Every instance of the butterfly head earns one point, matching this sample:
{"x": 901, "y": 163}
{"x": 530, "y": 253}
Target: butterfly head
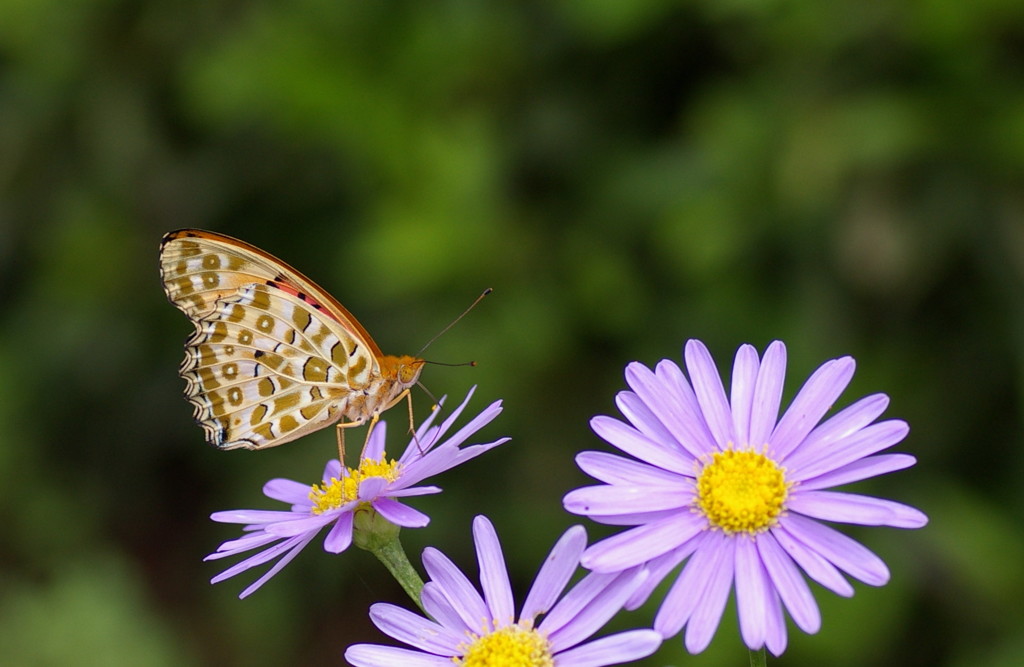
{"x": 405, "y": 369}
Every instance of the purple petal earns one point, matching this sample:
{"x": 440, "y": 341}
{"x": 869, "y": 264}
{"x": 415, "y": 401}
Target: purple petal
{"x": 287, "y": 491}
{"x": 694, "y": 433}
{"x": 255, "y": 516}
{"x": 372, "y": 655}
{"x": 418, "y": 447}
{"x": 741, "y": 396}
{"x": 707, "y": 385}
{"x": 844, "y": 423}
{"x": 579, "y": 598}
{"x": 415, "y": 491}
{"x": 855, "y": 508}
{"x": 618, "y": 649}
{"x": 685, "y": 593}
{"x": 457, "y": 588}
{"x": 813, "y": 400}
{"x": 440, "y": 609}
{"x": 298, "y": 545}
{"x": 767, "y": 395}
{"x": 310, "y": 524}
{"x": 376, "y": 441}
{"x": 704, "y": 621}
{"x": 635, "y": 443}
{"x": 449, "y": 419}
{"x": 812, "y": 563}
{"x": 848, "y": 555}
{"x": 588, "y": 607}
{"x": 639, "y": 415}
{"x": 610, "y": 500}
{"x": 632, "y": 518}
{"x": 414, "y": 630}
{"x": 464, "y": 454}
{"x": 427, "y": 438}
{"x": 242, "y": 544}
{"x": 332, "y": 470}
{"x": 493, "y": 574}
{"x": 442, "y": 458}
{"x": 790, "y": 585}
{"x": 655, "y": 410}
{"x": 775, "y": 635}
{"x": 555, "y": 572}
{"x": 811, "y": 462}
{"x": 752, "y": 592}
{"x": 475, "y": 424}
{"x": 371, "y": 488}
{"x": 865, "y": 468}
{"x": 646, "y": 407}
{"x": 339, "y": 537}
{"x": 640, "y": 544}
{"x": 614, "y": 469}
{"x": 427, "y": 426}
{"x": 399, "y": 514}
{"x": 259, "y": 559}
{"x": 433, "y": 462}
{"x": 658, "y": 568}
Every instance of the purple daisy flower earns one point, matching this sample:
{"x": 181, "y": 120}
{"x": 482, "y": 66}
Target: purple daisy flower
{"x": 375, "y": 485}
{"x": 740, "y": 493}
{"x": 473, "y": 629}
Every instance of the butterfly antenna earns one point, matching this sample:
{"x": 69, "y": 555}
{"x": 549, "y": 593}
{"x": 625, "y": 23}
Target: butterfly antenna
{"x": 450, "y": 325}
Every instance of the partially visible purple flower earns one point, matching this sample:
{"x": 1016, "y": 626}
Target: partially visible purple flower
{"x": 470, "y": 629}
{"x": 738, "y": 493}
{"x": 375, "y": 485}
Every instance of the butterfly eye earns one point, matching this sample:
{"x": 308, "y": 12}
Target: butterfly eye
{"x": 410, "y": 370}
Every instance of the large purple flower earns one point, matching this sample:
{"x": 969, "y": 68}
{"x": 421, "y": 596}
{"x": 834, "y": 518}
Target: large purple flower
{"x": 470, "y": 629}
{"x": 375, "y": 485}
{"x": 738, "y": 493}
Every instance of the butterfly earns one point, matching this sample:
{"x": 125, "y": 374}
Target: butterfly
{"x": 274, "y": 356}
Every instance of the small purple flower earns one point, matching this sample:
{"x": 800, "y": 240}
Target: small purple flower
{"x": 375, "y": 485}
{"x": 739, "y": 493}
{"x": 473, "y": 630}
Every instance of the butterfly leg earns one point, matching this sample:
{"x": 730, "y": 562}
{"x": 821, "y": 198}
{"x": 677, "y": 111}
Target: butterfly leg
{"x": 369, "y": 430}
{"x": 407, "y": 395}
{"x": 340, "y": 432}
{"x": 412, "y": 425}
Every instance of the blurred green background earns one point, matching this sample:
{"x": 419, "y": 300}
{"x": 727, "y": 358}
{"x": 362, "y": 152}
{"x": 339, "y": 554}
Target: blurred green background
{"x": 845, "y": 176}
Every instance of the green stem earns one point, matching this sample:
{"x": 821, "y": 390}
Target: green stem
{"x": 379, "y": 536}
{"x": 393, "y": 556}
{"x": 758, "y": 658}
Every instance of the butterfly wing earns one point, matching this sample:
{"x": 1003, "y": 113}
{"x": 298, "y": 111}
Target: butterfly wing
{"x": 198, "y": 267}
{"x": 273, "y": 356}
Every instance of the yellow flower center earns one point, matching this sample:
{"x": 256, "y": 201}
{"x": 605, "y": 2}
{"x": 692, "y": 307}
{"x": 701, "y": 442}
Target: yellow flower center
{"x": 337, "y": 492}
{"x": 741, "y": 491}
{"x": 511, "y": 646}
